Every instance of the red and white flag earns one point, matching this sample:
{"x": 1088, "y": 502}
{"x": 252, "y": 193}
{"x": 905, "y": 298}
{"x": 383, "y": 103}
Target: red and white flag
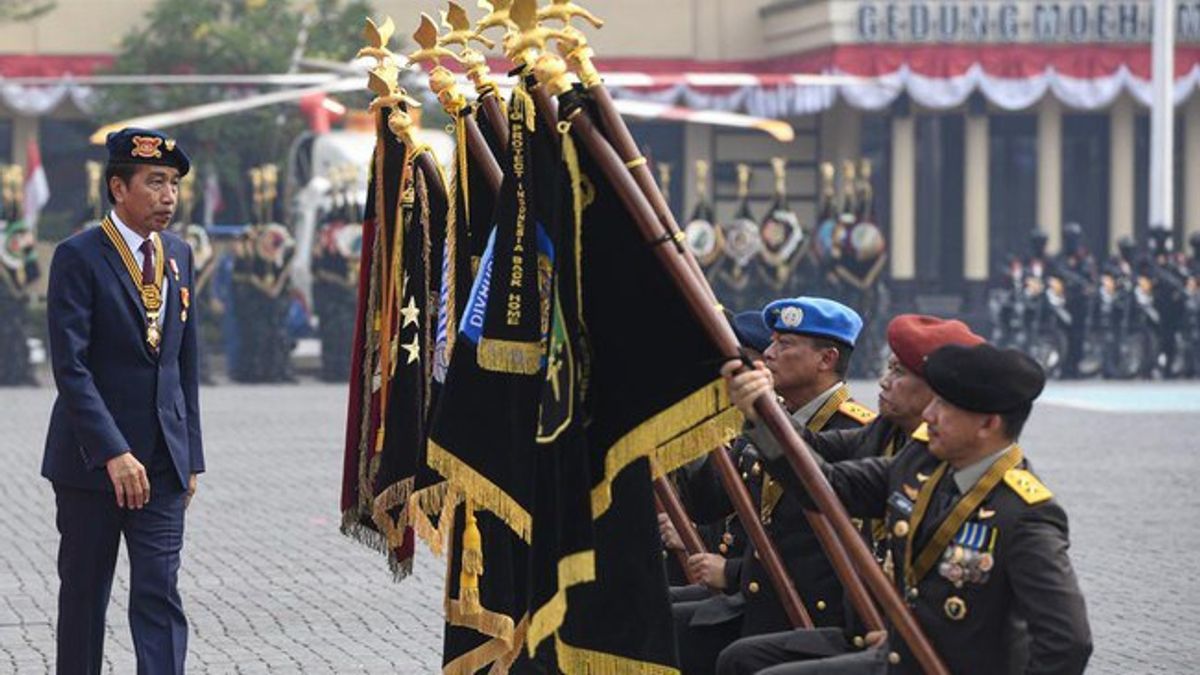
{"x": 37, "y": 189}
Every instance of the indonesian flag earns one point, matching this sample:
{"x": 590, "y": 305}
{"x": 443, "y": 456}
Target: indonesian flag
{"x": 37, "y": 189}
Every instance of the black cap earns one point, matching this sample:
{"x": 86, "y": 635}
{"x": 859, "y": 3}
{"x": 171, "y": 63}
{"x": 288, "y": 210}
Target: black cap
{"x": 984, "y": 379}
{"x": 146, "y": 146}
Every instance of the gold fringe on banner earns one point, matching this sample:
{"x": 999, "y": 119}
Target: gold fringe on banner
{"x": 690, "y": 428}
{"x": 577, "y": 568}
{"x": 431, "y": 512}
{"x": 498, "y": 652}
{"x": 391, "y": 497}
{"x": 575, "y": 660}
{"x": 491, "y": 624}
{"x": 511, "y": 356}
{"x": 483, "y": 491}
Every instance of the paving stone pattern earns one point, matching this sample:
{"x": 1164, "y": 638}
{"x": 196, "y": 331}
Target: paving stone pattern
{"x": 270, "y": 586}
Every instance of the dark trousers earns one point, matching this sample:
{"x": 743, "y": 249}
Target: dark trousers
{"x": 752, "y": 654}
{"x": 868, "y": 662}
{"x": 699, "y": 645}
{"x": 91, "y": 525}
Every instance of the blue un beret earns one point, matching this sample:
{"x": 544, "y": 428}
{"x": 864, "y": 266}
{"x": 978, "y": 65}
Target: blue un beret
{"x": 751, "y": 330}
{"x": 816, "y": 317}
{"x": 146, "y": 146}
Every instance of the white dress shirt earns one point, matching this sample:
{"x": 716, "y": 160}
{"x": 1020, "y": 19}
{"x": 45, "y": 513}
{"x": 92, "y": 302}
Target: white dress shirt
{"x": 134, "y": 241}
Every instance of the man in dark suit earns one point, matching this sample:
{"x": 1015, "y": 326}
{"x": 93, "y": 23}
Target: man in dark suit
{"x": 124, "y": 448}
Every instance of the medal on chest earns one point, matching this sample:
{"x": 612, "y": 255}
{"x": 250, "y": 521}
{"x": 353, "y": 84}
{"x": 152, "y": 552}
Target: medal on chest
{"x": 150, "y": 293}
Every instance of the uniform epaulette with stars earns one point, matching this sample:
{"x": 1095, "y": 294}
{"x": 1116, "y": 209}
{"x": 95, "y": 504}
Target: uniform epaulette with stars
{"x": 1027, "y": 486}
{"x": 857, "y": 412}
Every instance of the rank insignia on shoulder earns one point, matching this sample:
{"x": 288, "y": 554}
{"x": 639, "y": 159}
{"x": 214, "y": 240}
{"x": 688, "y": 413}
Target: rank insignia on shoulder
{"x": 922, "y": 433}
{"x": 1027, "y": 486}
{"x": 857, "y": 412}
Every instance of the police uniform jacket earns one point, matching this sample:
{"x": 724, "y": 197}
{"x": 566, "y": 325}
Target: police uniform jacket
{"x": 1024, "y": 613}
{"x": 782, "y": 516}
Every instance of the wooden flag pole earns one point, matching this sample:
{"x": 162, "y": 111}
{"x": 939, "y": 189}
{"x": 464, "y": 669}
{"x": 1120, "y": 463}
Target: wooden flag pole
{"x": 698, "y": 297}
{"x": 578, "y": 54}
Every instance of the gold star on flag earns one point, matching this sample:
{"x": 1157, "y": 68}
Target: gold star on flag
{"x": 414, "y": 351}
{"x": 410, "y": 312}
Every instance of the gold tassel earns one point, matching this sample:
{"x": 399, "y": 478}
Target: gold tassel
{"x": 472, "y": 563}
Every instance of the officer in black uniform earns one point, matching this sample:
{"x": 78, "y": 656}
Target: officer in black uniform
{"x": 701, "y": 491}
{"x": 980, "y": 552}
{"x": 1076, "y": 267}
{"x": 809, "y": 353}
{"x": 903, "y": 397}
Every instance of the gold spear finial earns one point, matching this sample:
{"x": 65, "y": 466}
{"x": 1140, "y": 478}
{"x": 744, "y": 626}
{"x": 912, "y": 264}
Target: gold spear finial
{"x": 441, "y": 81}
{"x": 565, "y": 11}
{"x": 497, "y": 15}
{"x": 528, "y": 37}
{"x": 377, "y": 37}
{"x": 461, "y": 33}
{"x": 427, "y": 37}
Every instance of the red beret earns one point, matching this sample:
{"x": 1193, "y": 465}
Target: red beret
{"x": 913, "y": 337}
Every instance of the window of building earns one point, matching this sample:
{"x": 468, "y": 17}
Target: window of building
{"x": 1085, "y": 167}
{"x": 6, "y": 138}
{"x": 1012, "y": 186}
{"x": 939, "y": 203}
{"x": 65, "y": 147}
{"x": 877, "y": 147}
{"x": 1141, "y": 177}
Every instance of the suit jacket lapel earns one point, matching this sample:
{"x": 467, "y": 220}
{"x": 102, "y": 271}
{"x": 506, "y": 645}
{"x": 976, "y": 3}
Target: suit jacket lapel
{"x": 113, "y": 258}
{"x": 118, "y": 268}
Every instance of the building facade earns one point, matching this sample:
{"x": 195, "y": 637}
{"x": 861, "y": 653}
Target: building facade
{"x": 983, "y": 118}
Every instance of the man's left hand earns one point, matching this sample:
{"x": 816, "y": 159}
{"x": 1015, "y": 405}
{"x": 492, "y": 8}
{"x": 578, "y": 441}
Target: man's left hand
{"x": 191, "y": 491}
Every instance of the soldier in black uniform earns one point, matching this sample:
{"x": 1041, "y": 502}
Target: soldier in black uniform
{"x": 980, "y": 545}
{"x": 1169, "y": 275}
{"x": 903, "y": 397}
{"x": 704, "y": 498}
{"x": 810, "y": 351}
{"x": 1076, "y": 267}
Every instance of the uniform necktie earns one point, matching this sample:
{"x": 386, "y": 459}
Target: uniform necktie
{"x": 940, "y": 504}
{"x": 147, "y": 250}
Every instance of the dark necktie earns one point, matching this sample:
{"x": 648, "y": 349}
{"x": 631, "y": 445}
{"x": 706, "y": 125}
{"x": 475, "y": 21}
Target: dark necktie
{"x": 147, "y": 250}
{"x": 940, "y": 505}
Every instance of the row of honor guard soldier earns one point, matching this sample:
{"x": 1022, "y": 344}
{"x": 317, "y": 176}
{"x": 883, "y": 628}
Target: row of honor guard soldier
{"x": 262, "y": 289}
{"x": 335, "y": 265}
{"x": 18, "y": 270}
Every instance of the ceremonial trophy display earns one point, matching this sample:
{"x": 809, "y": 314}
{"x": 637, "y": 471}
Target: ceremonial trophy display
{"x": 703, "y": 238}
{"x": 783, "y": 237}
{"x": 742, "y": 245}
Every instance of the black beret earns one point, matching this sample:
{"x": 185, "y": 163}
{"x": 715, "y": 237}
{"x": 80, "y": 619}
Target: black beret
{"x": 984, "y": 379}
{"x": 146, "y": 146}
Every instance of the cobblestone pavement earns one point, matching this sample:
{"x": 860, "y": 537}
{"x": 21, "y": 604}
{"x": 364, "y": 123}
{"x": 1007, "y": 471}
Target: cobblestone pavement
{"x": 271, "y": 586}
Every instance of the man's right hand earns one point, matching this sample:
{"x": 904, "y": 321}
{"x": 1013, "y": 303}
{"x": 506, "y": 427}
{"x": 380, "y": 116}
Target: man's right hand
{"x": 666, "y": 530}
{"x": 747, "y": 386}
{"x": 708, "y": 569}
{"x": 129, "y": 480}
